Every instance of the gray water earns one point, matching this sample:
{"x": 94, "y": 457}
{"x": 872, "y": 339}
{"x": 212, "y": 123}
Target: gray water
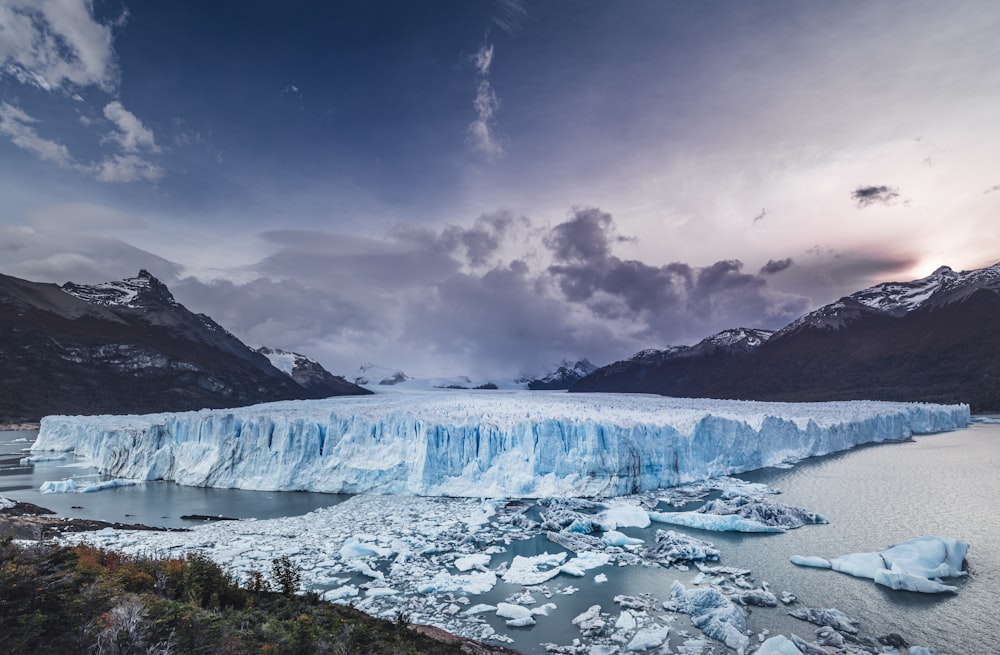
{"x": 946, "y": 484}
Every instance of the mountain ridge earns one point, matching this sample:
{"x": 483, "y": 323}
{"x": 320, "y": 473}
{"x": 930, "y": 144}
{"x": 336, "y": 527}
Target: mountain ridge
{"x": 122, "y": 347}
{"x": 931, "y": 339}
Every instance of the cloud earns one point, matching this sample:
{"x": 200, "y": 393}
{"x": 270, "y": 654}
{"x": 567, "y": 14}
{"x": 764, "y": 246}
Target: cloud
{"x": 476, "y": 245}
{"x": 775, "y": 266}
{"x": 132, "y": 135}
{"x": 125, "y": 168}
{"x": 669, "y": 302}
{"x": 483, "y": 58}
{"x": 56, "y": 45}
{"x": 18, "y": 126}
{"x": 480, "y": 134}
{"x": 995, "y": 187}
{"x": 509, "y": 15}
{"x": 869, "y": 195}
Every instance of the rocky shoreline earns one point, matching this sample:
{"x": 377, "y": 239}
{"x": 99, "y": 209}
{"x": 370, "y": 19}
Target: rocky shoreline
{"x": 31, "y": 522}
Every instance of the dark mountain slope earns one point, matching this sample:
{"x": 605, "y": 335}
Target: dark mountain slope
{"x": 935, "y": 339}
{"x": 121, "y": 347}
{"x": 310, "y": 374}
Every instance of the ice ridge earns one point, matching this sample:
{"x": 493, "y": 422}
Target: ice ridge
{"x": 480, "y": 444}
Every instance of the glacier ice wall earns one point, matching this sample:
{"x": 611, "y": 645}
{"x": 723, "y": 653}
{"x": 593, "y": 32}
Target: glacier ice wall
{"x": 494, "y": 444}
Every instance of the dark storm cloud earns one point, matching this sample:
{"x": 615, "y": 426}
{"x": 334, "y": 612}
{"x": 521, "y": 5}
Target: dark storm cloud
{"x": 865, "y": 196}
{"x": 587, "y": 237}
{"x": 508, "y": 317}
{"x": 476, "y": 244}
{"x": 672, "y": 301}
{"x": 775, "y": 266}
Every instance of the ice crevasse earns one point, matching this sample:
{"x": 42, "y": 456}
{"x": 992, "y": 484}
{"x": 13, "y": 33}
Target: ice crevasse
{"x": 498, "y": 444}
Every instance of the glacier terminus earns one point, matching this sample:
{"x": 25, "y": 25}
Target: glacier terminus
{"x": 501, "y": 444}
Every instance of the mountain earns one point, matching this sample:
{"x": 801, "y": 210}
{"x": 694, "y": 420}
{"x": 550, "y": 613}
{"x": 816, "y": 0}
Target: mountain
{"x": 308, "y": 373}
{"x": 563, "y": 377}
{"x": 934, "y": 339}
{"x": 121, "y": 347}
{"x": 675, "y": 370}
{"x": 371, "y": 374}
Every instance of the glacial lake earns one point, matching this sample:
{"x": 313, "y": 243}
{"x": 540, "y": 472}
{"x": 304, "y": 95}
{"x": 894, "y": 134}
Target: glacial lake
{"x": 945, "y": 484}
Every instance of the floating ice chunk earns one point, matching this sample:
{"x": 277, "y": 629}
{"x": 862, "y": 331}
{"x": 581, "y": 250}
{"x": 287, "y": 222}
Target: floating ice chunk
{"x": 814, "y": 562}
{"x": 672, "y": 547}
{"x": 534, "y": 570}
{"x": 478, "y": 582}
{"x": 714, "y": 522}
{"x": 830, "y": 617}
{"x": 477, "y": 561}
{"x": 615, "y": 538}
{"x": 381, "y": 591}
{"x": 58, "y": 487}
{"x": 339, "y": 593}
{"x": 583, "y": 562}
{"x": 626, "y": 621}
{"x": 520, "y": 616}
{"x": 712, "y": 613}
{"x": 620, "y": 514}
{"x": 36, "y": 459}
{"x": 762, "y": 511}
{"x": 590, "y": 622}
{"x": 354, "y": 547}
{"x": 481, "y": 608}
{"x": 647, "y": 638}
{"x": 107, "y": 484}
{"x": 600, "y": 578}
{"x": 914, "y": 565}
{"x": 778, "y": 645}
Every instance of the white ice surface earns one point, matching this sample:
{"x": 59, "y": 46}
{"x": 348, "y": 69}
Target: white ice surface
{"x": 914, "y": 565}
{"x": 480, "y": 443}
{"x": 714, "y": 522}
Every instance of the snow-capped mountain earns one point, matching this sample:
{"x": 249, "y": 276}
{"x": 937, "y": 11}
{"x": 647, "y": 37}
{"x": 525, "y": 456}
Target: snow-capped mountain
{"x": 308, "y": 373}
{"x": 372, "y": 374}
{"x": 563, "y": 377}
{"x": 123, "y": 347}
{"x": 675, "y": 363}
{"x": 896, "y": 299}
{"x": 933, "y": 339}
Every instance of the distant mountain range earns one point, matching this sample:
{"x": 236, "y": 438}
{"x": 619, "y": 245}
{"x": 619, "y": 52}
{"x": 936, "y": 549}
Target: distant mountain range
{"x": 935, "y": 339}
{"x": 562, "y": 377}
{"x": 127, "y": 347}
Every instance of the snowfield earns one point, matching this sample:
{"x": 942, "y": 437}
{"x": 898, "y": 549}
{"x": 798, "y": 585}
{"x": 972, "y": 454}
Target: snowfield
{"x": 499, "y": 444}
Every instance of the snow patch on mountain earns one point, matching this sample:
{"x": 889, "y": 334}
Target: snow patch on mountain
{"x": 119, "y": 293}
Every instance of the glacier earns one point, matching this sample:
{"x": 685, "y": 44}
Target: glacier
{"x": 500, "y": 444}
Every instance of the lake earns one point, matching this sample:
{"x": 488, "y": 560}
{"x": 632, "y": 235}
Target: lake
{"x": 945, "y": 484}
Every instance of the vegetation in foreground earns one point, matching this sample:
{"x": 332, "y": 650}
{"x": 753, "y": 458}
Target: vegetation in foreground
{"x": 85, "y": 600}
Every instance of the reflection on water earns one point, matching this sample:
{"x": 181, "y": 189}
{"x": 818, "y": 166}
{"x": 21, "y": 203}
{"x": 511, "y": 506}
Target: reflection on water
{"x": 874, "y": 496}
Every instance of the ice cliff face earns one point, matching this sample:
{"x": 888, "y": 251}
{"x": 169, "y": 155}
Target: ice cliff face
{"x": 495, "y": 444}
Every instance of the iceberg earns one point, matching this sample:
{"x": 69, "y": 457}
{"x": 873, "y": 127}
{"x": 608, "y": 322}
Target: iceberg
{"x": 498, "y": 444}
{"x": 712, "y": 613}
{"x": 914, "y": 565}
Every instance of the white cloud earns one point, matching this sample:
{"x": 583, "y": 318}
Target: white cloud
{"x": 17, "y": 125}
{"x": 126, "y": 168}
{"x": 56, "y": 45}
{"x": 480, "y": 133}
{"x": 132, "y": 134}
{"x": 483, "y": 58}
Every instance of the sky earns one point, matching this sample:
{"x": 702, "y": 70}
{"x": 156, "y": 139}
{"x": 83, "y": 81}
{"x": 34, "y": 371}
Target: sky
{"x": 490, "y": 187}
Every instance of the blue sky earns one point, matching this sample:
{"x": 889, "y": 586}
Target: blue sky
{"x": 460, "y": 187}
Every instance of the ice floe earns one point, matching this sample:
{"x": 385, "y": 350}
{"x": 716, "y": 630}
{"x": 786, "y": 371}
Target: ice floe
{"x": 915, "y": 565}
